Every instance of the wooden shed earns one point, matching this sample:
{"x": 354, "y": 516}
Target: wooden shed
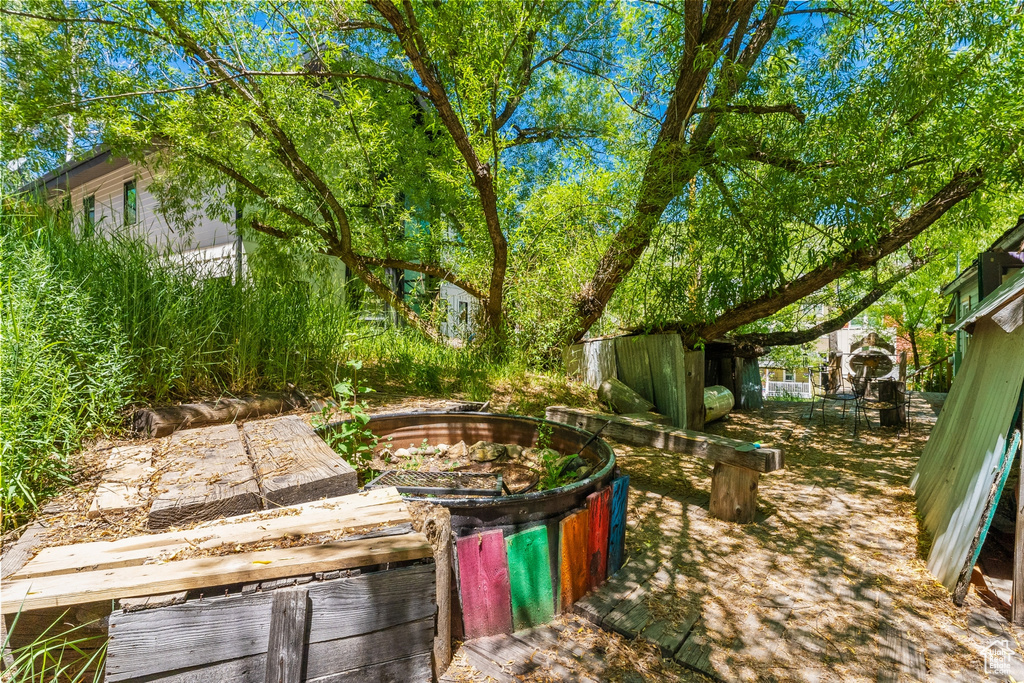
{"x": 969, "y": 455}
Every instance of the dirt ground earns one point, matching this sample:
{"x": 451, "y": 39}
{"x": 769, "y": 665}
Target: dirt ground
{"x": 825, "y": 584}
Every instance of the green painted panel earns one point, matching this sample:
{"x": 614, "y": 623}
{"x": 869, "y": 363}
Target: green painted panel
{"x": 529, "y": 568}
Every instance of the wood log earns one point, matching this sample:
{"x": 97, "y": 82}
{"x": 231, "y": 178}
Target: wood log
{"x": 289, "y": 626}
{"x": 164, "y": 420}
{"x": 621, "y": 398}
{"x": 698, "y": 444}
{"x": 733, "y": 493}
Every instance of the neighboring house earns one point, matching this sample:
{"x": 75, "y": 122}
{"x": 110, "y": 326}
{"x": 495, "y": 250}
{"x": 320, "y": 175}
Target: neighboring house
{"x": 990, "y": 269}
{"x": 109, "y": 194}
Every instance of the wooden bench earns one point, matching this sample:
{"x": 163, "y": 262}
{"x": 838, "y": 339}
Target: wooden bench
{"x": 737, "y": 464}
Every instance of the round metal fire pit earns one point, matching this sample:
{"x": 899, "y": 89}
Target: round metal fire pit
{"x": 508, "y": 512}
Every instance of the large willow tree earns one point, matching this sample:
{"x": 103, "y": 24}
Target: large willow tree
{"x": 696, "y": 165}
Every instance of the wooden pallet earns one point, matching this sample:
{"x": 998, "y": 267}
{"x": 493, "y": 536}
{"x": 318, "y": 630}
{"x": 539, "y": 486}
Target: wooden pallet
{"x": 109, "y": 570}
{"x": 622, "y": 606}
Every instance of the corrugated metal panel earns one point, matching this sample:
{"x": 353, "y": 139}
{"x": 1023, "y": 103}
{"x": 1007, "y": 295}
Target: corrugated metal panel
{"x": 963, "y": 455}
{"x": 668, "y": 375}
{"x": 592, "y": 361}
{"x": 634, "y": 365}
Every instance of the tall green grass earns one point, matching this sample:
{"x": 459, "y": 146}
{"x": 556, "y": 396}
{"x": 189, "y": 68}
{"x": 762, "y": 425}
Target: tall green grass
{"x": 89, "y": 325}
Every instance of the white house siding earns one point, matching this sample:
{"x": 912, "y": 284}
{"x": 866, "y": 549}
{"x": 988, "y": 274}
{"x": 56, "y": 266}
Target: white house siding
{"x": 463, "y": 309}
{"x": 109, "y": 192}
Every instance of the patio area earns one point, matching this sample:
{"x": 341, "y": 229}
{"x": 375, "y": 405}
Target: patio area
{"x": 829, "y": 584}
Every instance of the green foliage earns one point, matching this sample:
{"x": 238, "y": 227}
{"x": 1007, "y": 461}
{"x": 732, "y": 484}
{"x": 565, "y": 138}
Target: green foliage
{"x": 351, "y": 438}
{"x": 56, "y": 654}
{"x": 552, "y": 469}
{"x": 65, "y": 367}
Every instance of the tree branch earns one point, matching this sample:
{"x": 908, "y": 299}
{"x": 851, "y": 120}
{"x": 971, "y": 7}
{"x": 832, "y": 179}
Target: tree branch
{"x": 960, "y": 186}
{"x": 790, "y": 109}
{"x": 427, "y": 269}
{"x": 796, "y": 337}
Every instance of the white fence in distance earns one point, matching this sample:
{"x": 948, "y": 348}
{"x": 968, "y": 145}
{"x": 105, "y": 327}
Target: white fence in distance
{"x": 786, "y": 389}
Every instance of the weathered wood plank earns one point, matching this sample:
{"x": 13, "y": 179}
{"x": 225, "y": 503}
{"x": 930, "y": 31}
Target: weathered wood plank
{"x": 414, "y": 668}
{"x": 110, "y": 584}
{"x": 595, "y": 606}
{"x": 529, "y": 568}
{"x": 733, "y": 493}
{"x": 599, "y": 508}
{"x": 212, "y": 477}
{"x": 286, "y": 650}
{"x": 353, "y": 514}
{"x": 695, "y": 653}
{"x": 484, "y": 584}
{"x": 633, "y": 365}
{"x": 574, "y": 532}
{"x": 617, "y": 523}
{"x": 649, "y": 434}
{"x": 693, "y": 389}
{"x": 397, "y": 642}
{"x": 123, "y": 485}
{"x": 203, "y": 632}
{"x": 293, "y": 464}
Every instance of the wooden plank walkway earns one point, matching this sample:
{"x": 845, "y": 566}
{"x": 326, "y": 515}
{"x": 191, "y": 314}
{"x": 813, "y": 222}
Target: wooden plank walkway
{"x": 623, "y": 605}
{"x": 508, "y": 658}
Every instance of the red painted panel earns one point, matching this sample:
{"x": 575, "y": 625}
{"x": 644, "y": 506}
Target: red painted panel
{"x": 599, "y": 504}
{"x": 483, "y": 580}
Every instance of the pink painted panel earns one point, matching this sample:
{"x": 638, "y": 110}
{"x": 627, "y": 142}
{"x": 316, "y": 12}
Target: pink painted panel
{"x": 484, "y": 582}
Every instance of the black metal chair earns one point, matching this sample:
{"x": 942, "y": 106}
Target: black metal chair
{"x": 841, "y": 393}
{"x": 869, "y": 399}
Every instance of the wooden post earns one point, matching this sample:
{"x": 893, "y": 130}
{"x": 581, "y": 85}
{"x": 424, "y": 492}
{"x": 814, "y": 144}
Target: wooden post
{"x": 529, "y": 570}
{"x": 617, "y": 523}
{"x": 733, "y": 493}
{"x": 289, "y": 628}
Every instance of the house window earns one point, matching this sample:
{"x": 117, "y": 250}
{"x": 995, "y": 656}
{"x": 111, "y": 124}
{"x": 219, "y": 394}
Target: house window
{"x": 130, "y": 203}
{"x": 788, "y": 376}
{"x": 88, "y": 215}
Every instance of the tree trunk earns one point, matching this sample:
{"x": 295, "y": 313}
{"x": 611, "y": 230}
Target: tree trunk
{"x": 913, "y": 347}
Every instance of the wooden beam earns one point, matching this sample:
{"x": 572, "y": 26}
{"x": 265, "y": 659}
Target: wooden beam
{"x": 293, "y": 464}
{"x": 289, "y": 627}
{"x": 652, "y": 435}
{"x": 212, "y": 477}
{"x": 124, "y": 582}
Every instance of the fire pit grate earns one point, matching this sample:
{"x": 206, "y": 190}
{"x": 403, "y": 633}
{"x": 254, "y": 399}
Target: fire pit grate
{"x": 440, "y": 483}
